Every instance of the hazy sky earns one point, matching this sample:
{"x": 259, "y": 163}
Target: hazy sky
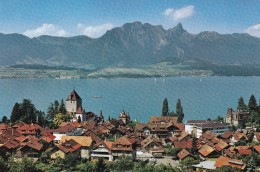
{"x": 93, "y": 18}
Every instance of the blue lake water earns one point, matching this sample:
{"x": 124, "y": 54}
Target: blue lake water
{"x": 201, "y": 97}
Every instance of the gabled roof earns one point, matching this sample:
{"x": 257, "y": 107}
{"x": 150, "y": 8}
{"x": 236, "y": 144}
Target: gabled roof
{"x": 80, "y": 110}
{"x": 239, "y": 136}
{"x": 73, "y": 96}
{"x": 227, "y": 134}
{"x": 183, "y": 135}
{"x": 33, "y": 144}
{"x": 183, "y": 154}
{"x": 183, "y": 144}
{"x": 83, "y": 140}
{"x": 123, "y": 141}
{"x": 205, "y": 150}
{"x": 221, "y": 145}
{"x": 65, "y": 129}
{"x": 244, "y": 150}
{"x": 69, "y": 146}
{"x": 165, "y": 119}
{"x": 225, "y": 161}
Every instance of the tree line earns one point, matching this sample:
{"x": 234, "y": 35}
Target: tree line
{"x": 26, "y": 112}
{"x": 178, "y": 113}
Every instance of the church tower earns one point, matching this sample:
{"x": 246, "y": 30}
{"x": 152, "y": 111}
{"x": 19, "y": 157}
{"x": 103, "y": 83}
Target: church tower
{"x": 73, "y": 102}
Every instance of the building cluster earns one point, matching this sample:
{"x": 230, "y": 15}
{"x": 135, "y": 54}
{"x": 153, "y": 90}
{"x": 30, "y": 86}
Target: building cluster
{"x": 94, "y": 138}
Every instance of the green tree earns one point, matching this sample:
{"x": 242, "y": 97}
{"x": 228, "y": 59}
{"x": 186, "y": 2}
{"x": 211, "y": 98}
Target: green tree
{"x": 4, "y": 119}
{"x": 26, "y": 165}
{"x": 16, "y": 113}
{"x": 79, "y": 119}
{"x": 194, "y": 149}
{"x": 3, "y": 164}
{"x": 226, "y": 169}
{"x": 59, "y": 118}
{"x": 41, "y": 118}
{"x": 56, "y": 106}
{"x": 187, "y": 163}
{"x": 252, "y": 104}
{"x": 165, "y": 107}
{"x": 62, "y": 108}
{"x": 241, "y": 104}
{"x": 100, "y": 165}
{"x": 50, "y": 112}
{"x": 220, "y": 119}
{"x": 179, "y": 111}
{"x": 28, "y": 111}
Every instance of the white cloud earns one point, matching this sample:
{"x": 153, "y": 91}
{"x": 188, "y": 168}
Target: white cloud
{"x": 45, "y": 29}
{"x": 254, "y": 30}
{"x": 179, "y": 14}
{"x": 94, "y": 31}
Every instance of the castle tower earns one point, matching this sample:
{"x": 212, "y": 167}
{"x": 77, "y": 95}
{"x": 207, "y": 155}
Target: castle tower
{"x": 73, "y": 102}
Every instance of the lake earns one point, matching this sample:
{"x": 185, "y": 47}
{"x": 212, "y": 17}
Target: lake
{"x": 201, "y": 97}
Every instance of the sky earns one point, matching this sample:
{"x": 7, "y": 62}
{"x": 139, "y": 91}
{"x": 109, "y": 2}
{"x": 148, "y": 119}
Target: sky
{"x": 94, "y": 17}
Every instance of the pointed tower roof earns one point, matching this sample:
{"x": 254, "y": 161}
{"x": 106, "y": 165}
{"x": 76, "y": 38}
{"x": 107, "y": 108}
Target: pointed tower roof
{"x": 73, "y": 96}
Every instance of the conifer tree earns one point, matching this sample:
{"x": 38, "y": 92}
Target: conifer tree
{"x": 62, "y": 108}
{"x": 179, "y": 111}
{"x": 252, "y": 104}
{"x": 165, "y": 107}
{"x": 79, "y": 119}
{"x": 16, "y": 113}
{"x": 4, "y": 119}
{"x": 241, "y": 104}
{"x": 50, "y": 112}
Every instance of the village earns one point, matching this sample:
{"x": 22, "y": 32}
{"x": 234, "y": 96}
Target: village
{"x": 195, "y": 145}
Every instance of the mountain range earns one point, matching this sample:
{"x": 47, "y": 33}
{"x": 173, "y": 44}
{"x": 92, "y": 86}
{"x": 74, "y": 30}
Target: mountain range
{"x": 132, "y": 45}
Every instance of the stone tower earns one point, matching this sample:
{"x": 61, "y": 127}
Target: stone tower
{"x": 73, "y": 102}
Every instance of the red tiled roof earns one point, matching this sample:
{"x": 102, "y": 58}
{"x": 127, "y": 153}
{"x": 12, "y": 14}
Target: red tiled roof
{"x": 183, "y": 144}
{"x": 244, "y": 150}
{"x": 227, "y": 134}
{"x": 65, "y": 129}
{"x": 183, "y": 154}
{"x": 225, "y": 161}
{"x": 205, "y": 150}
{"x": 257, "y": 148}
{"x": 221, "y": 145}
{"x": 69, "y": 146}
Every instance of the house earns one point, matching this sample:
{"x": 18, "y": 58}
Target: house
{"x": 66, "y": 148}
{"x": 163, "y": 119}
{"x": 236, "y": 118}
{"x": 102, "y": 150}
{"x": 183, "y": 144}
{"x": 207, "y": 151}
{"x": 238, "y": 136}
{"x": 84, "y": 141}
{"x": 73, "y": 102}
{"x": 225, "y": 161}
{"x": 221, "y": 145}
{"x": 150, "y": 142}
{"x": 198, "y": 127}
{"x": 226, "y": 136}
{"x": 243, "y": 150}
{"x": 80, "y": 113}
{"x": 67, "y": 130}
{"x": 184, "y": 154}
{"x": 123, "y": 146}
{"x": 29, "y": 147}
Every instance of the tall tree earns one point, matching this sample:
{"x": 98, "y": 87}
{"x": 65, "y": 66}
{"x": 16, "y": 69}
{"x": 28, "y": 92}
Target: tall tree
{"x": 165, "y": 107}
{"x": 179, "y": 111}
{"x": 79, "y": 119}
{"x": 50, "y": 112}
{"x": 28, "y": 111}
{"x": 56, "y": 106}
{"x": 41, "y": 118}
{"x": 4, "y": 119}
{"x": 62, "y": 108}
{"x": 16, "y": 113}
{"x": 252, "y": 104}
{"x": 241, "y": 104}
